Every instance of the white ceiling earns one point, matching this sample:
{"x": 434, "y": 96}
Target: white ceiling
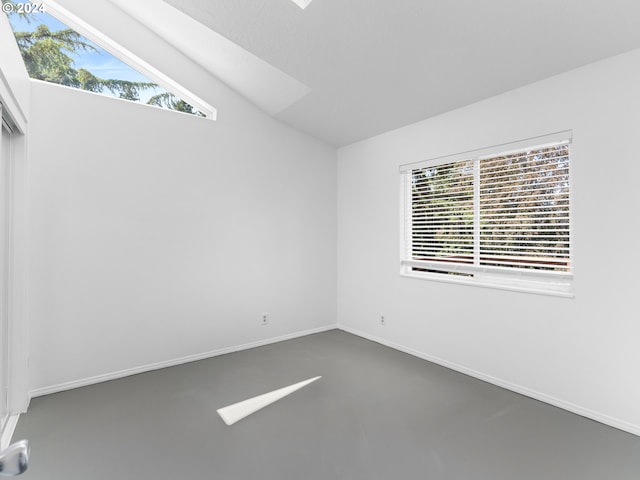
{"x": 376, "y": 65}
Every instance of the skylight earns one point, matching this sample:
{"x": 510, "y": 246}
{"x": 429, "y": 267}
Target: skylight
{"x": 302, "y": 3}
{"x": 55, "y": 53}
{"x": 267, "y": 87}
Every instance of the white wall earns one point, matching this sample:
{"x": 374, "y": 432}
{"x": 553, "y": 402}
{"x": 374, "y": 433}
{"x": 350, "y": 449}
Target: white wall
{"x": 157, "y": 236}
{"x": 581, "y": 353}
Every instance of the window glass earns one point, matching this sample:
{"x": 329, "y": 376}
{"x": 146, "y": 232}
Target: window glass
{"x": 54, "y": 53}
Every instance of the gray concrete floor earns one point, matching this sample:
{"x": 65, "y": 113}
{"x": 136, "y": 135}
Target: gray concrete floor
{"x": 376, "y": 414}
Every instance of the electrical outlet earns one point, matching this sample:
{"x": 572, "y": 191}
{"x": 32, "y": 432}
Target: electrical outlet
{"x": 382, "y": 320}
{"x": 265, "y": 319}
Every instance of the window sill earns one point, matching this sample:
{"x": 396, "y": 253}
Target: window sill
{"x": 502, "y": 284}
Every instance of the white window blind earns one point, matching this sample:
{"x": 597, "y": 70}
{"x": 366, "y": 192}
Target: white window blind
{"x": 524, "y": 209}
{"x": 442, "y": 213}
{"x": 492, "y": 217}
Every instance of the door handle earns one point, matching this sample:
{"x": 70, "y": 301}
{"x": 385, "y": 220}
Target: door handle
{"x": 14, "y": 459}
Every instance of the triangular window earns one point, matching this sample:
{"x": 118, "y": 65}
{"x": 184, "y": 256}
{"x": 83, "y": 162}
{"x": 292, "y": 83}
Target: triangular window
{"x": 55, "y": 53}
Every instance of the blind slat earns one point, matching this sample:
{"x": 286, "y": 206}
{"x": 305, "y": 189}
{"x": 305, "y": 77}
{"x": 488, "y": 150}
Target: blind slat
{"x": 447, "y": 266}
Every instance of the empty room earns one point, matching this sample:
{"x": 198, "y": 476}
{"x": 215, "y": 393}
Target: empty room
{"x": 319, "y": 239}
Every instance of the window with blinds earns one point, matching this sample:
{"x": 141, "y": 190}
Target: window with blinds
{"x": 496, "y": 217}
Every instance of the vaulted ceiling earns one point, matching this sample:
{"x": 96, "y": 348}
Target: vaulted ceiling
{"x": 375, "y": 65}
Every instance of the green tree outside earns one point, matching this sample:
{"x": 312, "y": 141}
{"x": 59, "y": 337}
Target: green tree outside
{"x": 47, "y": 57}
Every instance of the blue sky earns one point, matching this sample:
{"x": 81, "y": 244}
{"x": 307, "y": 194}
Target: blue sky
{"x": 101, "y": 63}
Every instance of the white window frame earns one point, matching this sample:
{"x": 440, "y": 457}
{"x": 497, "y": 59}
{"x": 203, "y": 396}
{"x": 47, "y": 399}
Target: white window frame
{"x": 532, "y": 281}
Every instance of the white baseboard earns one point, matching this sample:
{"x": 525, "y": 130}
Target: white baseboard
{"x": 170, "y": 363}
{"x": 571, "y": 407}
{"x": 7, "y": 431}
